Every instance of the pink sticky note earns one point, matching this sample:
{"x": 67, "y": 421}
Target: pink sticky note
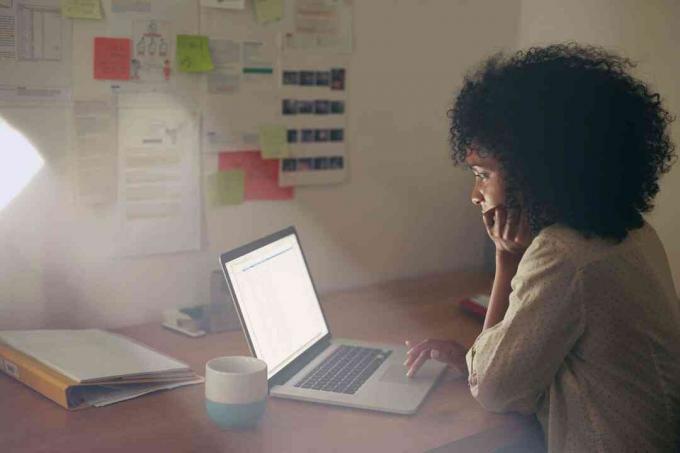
{"x": 262, "y": 175}
{"x": 112, "y": 58}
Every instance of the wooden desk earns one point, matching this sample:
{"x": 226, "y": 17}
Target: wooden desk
{"x": 175, "y": 420}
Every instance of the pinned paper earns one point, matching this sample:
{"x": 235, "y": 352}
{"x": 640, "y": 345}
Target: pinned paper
{"x": 321, "y": 26}
{"x": 268, "y": 10}
{"x": 193, "y": 53}
{"x": 151, "y": 61}
{"x": 225, "y": 4}
{"x": 81, "y": 9}
{"x": 95, "y": 151}
{"x": 130, "y": 6}
{"x": 226, "y": 187}
{"x": 273, "y": 141}
{"x": 261, "y": 180}
{"x": 159, "y": 175}
{"x": 112, "y": 58}
{"x": 258, "y": 57}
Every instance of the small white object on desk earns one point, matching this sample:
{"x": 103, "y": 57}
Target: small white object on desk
{"x": 181, "y": 322}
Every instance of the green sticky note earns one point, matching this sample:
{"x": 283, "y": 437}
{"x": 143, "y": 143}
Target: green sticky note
{"x": 193, "y": 53}
{"x": 226, "y": 187}
{"x": 268, "y": 10}
{"x": 273, "y": 141}
{"x": 81, "y": 9}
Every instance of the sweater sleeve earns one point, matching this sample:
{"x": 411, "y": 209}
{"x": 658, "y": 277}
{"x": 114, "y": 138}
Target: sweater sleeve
{"x": 512, "y": 364}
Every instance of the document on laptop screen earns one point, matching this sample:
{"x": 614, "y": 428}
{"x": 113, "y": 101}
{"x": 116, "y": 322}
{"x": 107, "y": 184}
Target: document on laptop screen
{"x": 277, "y": 301}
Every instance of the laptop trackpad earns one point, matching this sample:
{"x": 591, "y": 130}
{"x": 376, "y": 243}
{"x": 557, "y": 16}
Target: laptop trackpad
{"x": 396, "y": 374}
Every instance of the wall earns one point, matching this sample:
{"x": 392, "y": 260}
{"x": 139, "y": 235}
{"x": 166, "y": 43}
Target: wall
{"x": 404, "y": 210}
{"x": 647, "y": 33}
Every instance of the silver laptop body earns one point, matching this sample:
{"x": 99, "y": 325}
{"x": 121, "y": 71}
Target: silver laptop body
{"x": 284, "y": 325}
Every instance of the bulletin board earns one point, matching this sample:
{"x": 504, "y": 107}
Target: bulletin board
{"x": 157, "y": 88}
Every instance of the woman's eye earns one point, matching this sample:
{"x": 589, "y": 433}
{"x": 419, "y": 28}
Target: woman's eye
{"x": 481, "y": 176}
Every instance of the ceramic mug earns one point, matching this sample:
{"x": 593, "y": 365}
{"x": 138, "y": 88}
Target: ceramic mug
{"x": 236, "y": 390}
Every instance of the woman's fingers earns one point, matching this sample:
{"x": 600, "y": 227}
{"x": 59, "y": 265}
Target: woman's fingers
{"x": 427, "y": 349}
{"x": 524, "y": 231}
{"x": 414, "y": 351}
{"x": 487, "y": 218}
{"x": 422, "y": 357}
{"x": 508, "y": 228}
{"x": 445, "y": 351}
{"x": 419, "y": 346}
{"x": 494, "y": 220}
{"x": 409, "y": 356}
{"x": 512, "y": 225}
{"x": 499, "y": 222}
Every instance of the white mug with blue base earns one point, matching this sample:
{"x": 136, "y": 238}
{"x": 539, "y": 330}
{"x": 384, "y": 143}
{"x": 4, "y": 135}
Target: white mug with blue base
{"x": 236, "y": 390}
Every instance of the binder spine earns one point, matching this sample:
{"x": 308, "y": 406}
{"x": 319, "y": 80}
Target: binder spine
{"x": 36, "y": 375}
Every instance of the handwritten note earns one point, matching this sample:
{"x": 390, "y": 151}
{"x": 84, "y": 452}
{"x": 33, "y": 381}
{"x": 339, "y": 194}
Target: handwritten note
{"x": 112, "y": 58}
{"x": 262, "y": 176}
{"x": 273, "y": 141}
{"x": 193, "y": 53}
{"x": 268, "y": 10}
{"x": 81, "y": 9}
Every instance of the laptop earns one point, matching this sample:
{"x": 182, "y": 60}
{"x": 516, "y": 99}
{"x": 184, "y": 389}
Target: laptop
{"x": 285, "y": 326}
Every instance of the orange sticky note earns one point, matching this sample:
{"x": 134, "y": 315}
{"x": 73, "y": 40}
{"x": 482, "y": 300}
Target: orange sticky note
{"x": 112, "y": 58}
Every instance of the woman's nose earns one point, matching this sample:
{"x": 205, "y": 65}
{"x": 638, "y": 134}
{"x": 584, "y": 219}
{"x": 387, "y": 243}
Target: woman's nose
{"x": 476, "y": 196}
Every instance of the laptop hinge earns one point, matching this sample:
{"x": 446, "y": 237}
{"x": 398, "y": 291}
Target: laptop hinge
{"x": 296, "y": 365}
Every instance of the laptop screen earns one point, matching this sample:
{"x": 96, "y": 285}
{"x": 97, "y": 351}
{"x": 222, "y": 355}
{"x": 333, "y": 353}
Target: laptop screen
{"x": 275, "y": 294}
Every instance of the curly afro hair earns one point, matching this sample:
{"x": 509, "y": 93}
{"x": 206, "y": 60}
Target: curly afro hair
{"x": 580, "y": 141}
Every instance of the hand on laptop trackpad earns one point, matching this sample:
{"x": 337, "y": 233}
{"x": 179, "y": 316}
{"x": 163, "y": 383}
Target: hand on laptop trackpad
{"x": 397, "y": 374}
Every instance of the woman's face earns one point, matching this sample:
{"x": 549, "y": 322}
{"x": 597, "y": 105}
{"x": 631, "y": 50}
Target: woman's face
{"x": 489, "y": 188}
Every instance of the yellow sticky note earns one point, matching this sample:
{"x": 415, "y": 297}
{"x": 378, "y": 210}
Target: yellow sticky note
{"x": 81, "y": 9}
{"x": 226, "y": 187}
{"x": 268, "y": 10}
{"x": 193, "y": 53}
{"x": 273, "y": 142}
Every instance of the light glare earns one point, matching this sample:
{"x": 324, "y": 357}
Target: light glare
{"x": 19, "y": 162}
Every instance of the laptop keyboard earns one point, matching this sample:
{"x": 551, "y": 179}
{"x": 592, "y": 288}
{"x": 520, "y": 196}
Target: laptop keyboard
{"x": 345, "y": 370}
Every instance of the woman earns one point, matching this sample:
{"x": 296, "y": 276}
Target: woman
{"x": 583, "y": 323}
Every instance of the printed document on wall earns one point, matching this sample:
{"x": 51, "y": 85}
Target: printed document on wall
{"x": 322, "y": 25}
{"x": 94, "y": 127}
{"x": 33, "y": 95}
{"x": 35, "y": 49}
{"x": 39, "y": 26}
{"x": 31, "y": 30}
{"x": 226, "y": 56}
{"x": 8, "y": 31}
{"x": 159, "y": 176}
